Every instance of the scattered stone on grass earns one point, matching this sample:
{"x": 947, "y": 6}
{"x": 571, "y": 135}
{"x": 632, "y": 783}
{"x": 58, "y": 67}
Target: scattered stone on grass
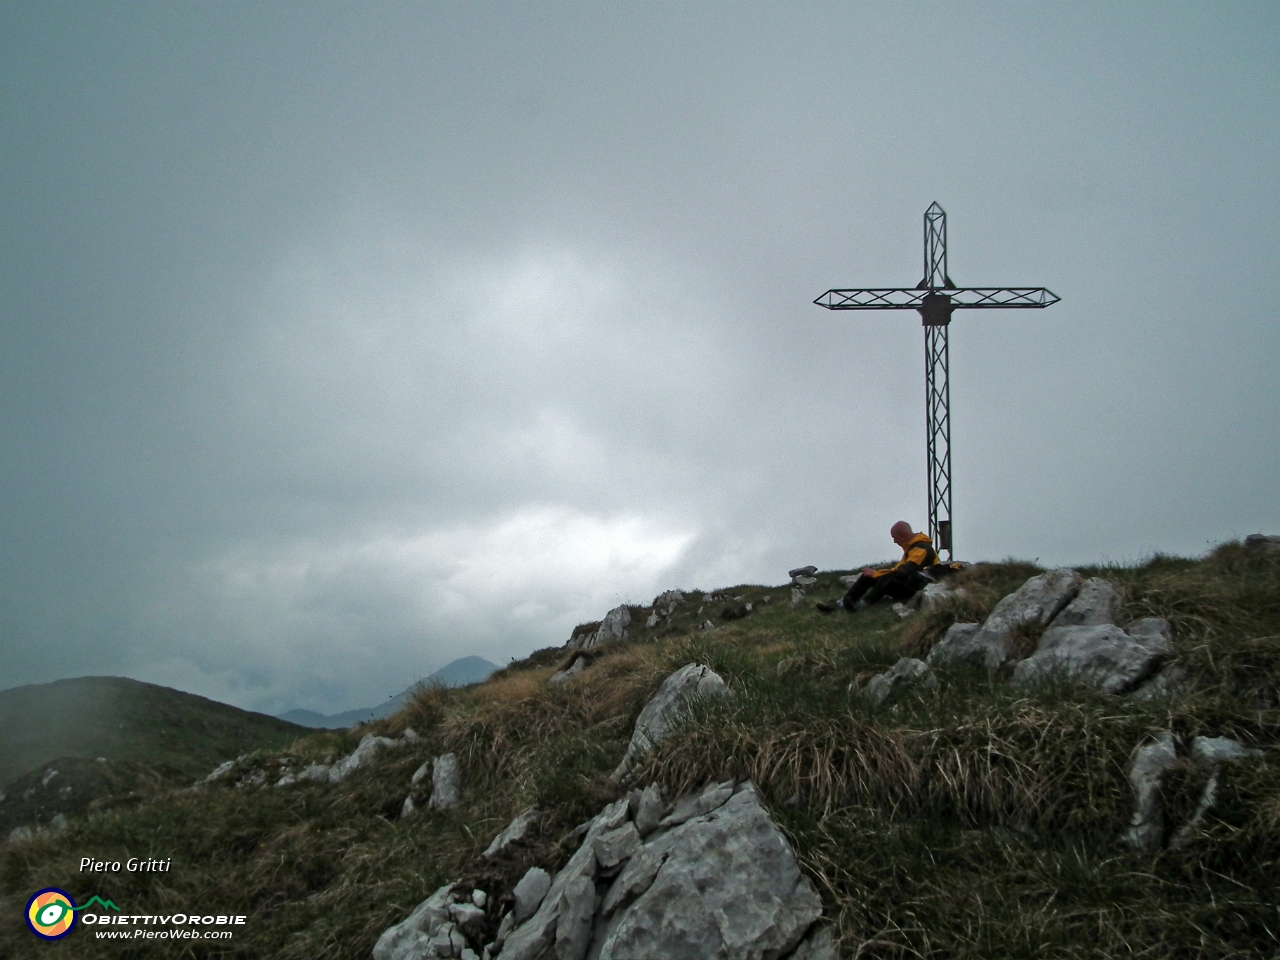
{"x": 665, "y": 707}
{"x": 446, "y": 782}
{"x": 515, "y": 830}
{"x": 907, "y": 670}
{"x": 568, "y": 673}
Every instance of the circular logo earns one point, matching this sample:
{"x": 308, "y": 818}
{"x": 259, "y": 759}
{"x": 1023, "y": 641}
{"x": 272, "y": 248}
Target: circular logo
{"x": 51, "y": 913}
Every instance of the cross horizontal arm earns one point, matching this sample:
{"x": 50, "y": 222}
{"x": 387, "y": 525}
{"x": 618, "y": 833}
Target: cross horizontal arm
{"x": 906, "y": 298}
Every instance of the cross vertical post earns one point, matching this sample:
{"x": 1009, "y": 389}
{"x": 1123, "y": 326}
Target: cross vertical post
{"x": 937, "y": 385}
{"x": 935, "y": 298}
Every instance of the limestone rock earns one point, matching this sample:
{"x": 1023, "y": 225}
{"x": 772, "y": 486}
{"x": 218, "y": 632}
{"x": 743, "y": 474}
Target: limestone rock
{"x": 1101, "y": 656}
{"x": 818, "y": 945}
{"x": 318, "y": 772}
{"x": 1097, "y": 603}
{"x": 804, "y": 581}
{"x": 960, "y": 644}
{"x": 467, "y": 917}
{"x": 411, "y": 938}
{"x": 446, "y": 782}
{"x": 652, "y": 620}
{"x": 221, "y": 770}
{"x": 935, "y": 594}
{"x": 728, "y": 887}
{"x": 418, "y": 774}
{"x": 664, "y": 604}
{"x": 808, "y": 571}
{"x": 1038, "y": 600}
{"x": 797, "y": 596}
{"x": 1214, "y": 751}
{"x": 907, "y": 670}
{"x": 1146, "y": 828}
{"x": 568, "y": 673}
{"x": 408, "y": 808}
{"x": 699, "y": 804}
{"x": 1171, "y": 680}
{"x": 573, "y": 927}
{"x": 370, "y": 746}
{"x": 646, "y": 811}
{"x": 617, "y": 846}
{"x": 613, "y": 627}
{"x": 1221, "y": 750}
{"x": 535, "y": 938}
{"x": 1155, "y": 632}
{"x": 513, "y": 831}
{"x": 666, "y": 706}
{"x": 529, "y": 893}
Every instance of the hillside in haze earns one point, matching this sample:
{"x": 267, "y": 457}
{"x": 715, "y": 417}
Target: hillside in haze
{"x": 459, "y": 673}
{"x": 122, "y": 719}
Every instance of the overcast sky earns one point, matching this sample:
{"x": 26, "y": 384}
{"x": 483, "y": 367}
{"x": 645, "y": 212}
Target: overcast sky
{"x": 338, "y": 341}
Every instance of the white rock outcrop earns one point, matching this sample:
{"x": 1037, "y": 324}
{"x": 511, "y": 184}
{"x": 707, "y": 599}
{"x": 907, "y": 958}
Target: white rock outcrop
{"x": 1098, "y": 602}
{"x": 370, "y": 746}
{"x": 1037, "y": 601}
{"x": 612, "y": 627}
{"x": 1101, "y": 656}
{"x": 414, "y": 937}
{"x": 722, "y": 885}
{"x": 960, "y": 645}
{"x": 666, "y": 707}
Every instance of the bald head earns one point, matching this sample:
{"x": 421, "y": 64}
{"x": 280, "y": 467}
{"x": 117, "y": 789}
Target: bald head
{"x": 901, "y": 532}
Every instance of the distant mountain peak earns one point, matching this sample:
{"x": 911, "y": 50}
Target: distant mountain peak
{"x": 458, "y": 673}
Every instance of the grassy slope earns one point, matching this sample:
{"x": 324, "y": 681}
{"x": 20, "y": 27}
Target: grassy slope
{"x": 124, "y": 719}
{"x": 970, "y": 821}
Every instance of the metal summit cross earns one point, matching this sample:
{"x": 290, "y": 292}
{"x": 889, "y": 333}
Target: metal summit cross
{"x": 935, "y": 298}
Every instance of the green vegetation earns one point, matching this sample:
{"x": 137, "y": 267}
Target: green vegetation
{"x": 123, "y": 719}
{"x": 974, "y": 820}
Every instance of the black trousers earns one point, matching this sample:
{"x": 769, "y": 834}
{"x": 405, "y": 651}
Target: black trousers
{"x": 900, "y": 585}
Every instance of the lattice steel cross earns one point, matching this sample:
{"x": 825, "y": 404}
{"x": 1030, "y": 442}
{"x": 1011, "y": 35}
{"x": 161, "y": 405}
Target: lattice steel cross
{"x": 935, "y": 298}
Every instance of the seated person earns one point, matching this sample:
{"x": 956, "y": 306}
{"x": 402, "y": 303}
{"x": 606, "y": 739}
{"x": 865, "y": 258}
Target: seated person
{"x": 900, "y": 582}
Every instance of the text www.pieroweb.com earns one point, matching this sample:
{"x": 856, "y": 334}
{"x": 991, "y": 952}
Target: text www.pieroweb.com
{"x": 179, "y": 927}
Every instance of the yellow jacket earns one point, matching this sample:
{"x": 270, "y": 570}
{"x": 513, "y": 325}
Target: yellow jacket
{"x": 917, "y": 554}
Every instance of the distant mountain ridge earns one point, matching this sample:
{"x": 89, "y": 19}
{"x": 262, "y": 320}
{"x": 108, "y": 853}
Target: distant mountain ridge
{"x": 122, "y": 719}
{"x": 459, "y": 673}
